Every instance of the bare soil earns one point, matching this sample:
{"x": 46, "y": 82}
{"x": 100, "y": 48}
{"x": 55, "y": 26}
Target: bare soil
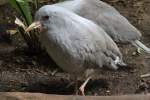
{"x": 22, "y": 70}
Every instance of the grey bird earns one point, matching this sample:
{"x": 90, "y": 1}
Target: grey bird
{"x": 107, "y": 17}
{"x": 76, "y": 44}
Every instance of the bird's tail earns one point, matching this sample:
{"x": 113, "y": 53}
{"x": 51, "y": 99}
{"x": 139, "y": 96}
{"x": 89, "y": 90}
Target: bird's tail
{"x": 140, "y": 45}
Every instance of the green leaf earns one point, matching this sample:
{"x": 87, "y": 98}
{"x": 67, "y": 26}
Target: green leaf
{"x": 23, "y": 8}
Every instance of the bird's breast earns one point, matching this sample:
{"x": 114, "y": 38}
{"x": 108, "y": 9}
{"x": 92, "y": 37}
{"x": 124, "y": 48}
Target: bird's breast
{"x": 63, "y": 57}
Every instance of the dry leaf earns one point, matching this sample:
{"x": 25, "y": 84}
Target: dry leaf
{"x": 20, "y": 23}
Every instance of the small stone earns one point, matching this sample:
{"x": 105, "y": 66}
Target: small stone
{"x": 107, "y": 91}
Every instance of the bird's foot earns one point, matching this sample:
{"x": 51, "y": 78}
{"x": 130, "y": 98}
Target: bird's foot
{"x": 82, "y": 90}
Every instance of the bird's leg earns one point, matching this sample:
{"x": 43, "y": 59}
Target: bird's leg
{"x": 82, "y": 87}
{"x": 76, "y": 86}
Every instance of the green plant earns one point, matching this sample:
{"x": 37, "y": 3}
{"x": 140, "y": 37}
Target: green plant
{"x": 22, "y": 7}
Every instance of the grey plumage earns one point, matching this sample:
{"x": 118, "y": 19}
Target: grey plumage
{"x": 75, "y": 43}
{"x": 107, "y": 17}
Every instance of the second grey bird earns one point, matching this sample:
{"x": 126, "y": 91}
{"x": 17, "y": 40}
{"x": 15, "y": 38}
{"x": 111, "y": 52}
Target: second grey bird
{"x": 76, "y": 44}
{"x": 107, "y": 17}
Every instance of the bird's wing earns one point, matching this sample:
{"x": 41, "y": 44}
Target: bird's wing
{"x": 84, "y": 40}
{"x": 118, "y": 27}
{"x": 94, "y": 49}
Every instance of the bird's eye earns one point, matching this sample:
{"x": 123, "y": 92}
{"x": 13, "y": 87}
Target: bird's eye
{"x": 45, "y": 17}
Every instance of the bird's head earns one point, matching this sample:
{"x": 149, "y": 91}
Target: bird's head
{"x": 53, "y": 17}
{"x": 41, "y": 20}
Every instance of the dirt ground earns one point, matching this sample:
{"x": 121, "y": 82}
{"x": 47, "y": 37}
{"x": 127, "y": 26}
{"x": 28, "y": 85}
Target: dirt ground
{"x": 22, "y": 70}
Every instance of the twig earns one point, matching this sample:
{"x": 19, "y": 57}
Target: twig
{"x": 145, "y": 75}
